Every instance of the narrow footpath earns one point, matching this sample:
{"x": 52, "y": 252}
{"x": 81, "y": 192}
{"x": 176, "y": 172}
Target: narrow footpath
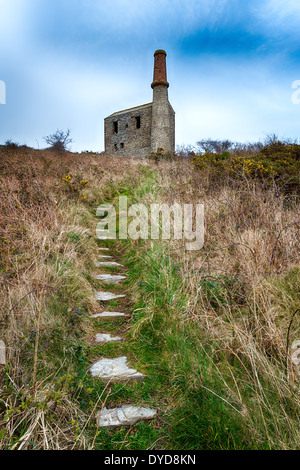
{"x": 116, "y": 369}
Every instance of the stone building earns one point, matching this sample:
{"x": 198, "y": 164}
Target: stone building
{"x": 147, "y": 128}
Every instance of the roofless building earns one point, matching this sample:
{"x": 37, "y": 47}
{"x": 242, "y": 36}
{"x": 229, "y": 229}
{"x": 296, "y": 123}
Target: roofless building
{"x": 148, "y": 128}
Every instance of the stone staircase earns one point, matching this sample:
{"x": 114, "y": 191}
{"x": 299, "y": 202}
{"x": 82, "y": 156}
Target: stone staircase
{"x": 115, "y": 370}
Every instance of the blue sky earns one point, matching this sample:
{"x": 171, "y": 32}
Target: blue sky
{"x": 69, "y": 64}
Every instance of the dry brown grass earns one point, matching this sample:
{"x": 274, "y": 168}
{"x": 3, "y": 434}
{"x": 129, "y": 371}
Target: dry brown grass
{"x": 243, "y": 287}
{"x": 47, "y": 249}
{"x": 251, "y": 235}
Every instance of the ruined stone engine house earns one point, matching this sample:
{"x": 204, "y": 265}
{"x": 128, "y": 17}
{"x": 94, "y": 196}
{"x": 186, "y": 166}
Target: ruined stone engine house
{"x": 145, "y": 129}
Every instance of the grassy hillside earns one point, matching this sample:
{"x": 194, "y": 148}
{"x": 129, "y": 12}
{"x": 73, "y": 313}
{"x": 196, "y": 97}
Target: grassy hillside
{"x": 212, "y": 329}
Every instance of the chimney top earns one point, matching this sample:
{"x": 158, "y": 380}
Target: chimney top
{"x": 160, "y": 69}
{"x": 160, "y": 51}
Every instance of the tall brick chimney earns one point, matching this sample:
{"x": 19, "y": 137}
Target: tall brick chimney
{"x": 163, "y": 116}
{"x": 160, "y": 69}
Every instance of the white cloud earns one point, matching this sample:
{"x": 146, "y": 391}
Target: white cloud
{"x": 73, "y": 63}
{"x": 15, "y": 26}
{"x": 283, "y": 8}
{"x": 282, "y": 14}
{"x": 176, "y": 17}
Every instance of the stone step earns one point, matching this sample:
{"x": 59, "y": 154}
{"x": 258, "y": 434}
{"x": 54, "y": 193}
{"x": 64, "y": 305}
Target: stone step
{"x": 295, "y": 344}
{"x": 2, "y": 353}
{"x": 104, "y": 296}
{"x": 296, "y": 352}
{"x": 105, "y": 338}
{"x": 124, "y": 416}
{"x": 103, "y": 249}
{"x": 110, "y": 278}
{"x": 115, "y": 370}
{"x": 105, "y": 257}
{"x": 110, "y": 315}
{"x": 108, "y": 264}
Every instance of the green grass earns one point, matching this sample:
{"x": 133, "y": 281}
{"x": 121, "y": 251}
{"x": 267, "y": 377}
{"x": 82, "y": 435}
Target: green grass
{"x": 201, "y": 391}
{"x": 208, "y": 397}
{"x": 170, "y": 353}
{"x": 192, "y": 417}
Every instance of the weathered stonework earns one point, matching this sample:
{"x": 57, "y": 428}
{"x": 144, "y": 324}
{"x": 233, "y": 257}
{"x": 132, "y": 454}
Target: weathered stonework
{"x": 147, "y": 128}
{"x": 163, "y": 121}
{"x": 133, "y": 133}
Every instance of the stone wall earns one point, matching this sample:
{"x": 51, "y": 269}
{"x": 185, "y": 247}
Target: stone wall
{"x": 172, "y": 128}
{"x": 128, "y": 132}
{"x": 163, "y": 121}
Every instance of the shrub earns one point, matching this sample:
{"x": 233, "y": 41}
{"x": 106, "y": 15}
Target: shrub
{"x": 10, "y": 145}
{"x": 59, "y": 141}
{"x": 276, "y": 160}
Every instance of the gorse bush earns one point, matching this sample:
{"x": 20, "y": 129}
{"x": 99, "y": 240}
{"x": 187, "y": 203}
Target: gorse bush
{"x": 75, "y": 185}
{"x": 277, "y": 161}
{"x": 233, "y": 166}
{"x": 285, "y": 159}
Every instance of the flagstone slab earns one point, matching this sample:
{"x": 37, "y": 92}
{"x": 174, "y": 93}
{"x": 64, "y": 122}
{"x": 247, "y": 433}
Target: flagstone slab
{"x": 110, "y": 315}
{"x": 103, "y": 249}
{"x": 105, "y": 257}
{"x": 105, "y": 338}
{"x": 110, "y": 278}
{"x": 296, "y": 357}
{"x": 116, "y": 370}
{"x": 2, "y": 353}
{"x": 295, "y": 344}
{"x": 108, "y": 264}
{"x": 296, "y": 352}
{"x": 104, "y": 296}
{"x": 124, "y": 416}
